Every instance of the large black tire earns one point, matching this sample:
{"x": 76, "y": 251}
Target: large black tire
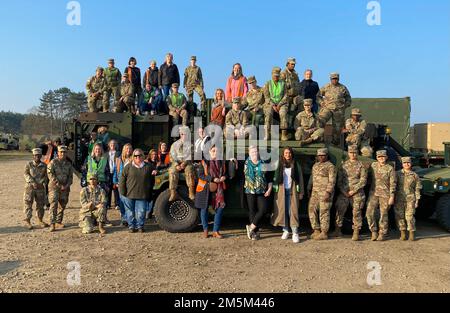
{"x": 179, "y": 216}
{"x": 443, "y": 211}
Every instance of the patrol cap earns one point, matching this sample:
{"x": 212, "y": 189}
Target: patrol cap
{"x": 276, "y": 71}
{"x": 251, "y": 79}
{"x": 353, "y": 148}
{"x": 356, "y": 111}
{"x": 62, "y": 148}
{"x": 381, "y": 153}
{"x": 237, "y": 100}
{"x": 406, "y": 160}
{"x": 99, "y": 68}
{"x": 323, "y": 151}
{"x": 291, "y": 60}
{"x": 152, "y": 62}
{"x": 307, "y": 102}
{"x": 194, "y": 58}
{"x": 37, "y": 151}
{"x": 175, "y": 85}
{"x": 94, "y": 176}
{"x": 334, "y": 75}
{"x": 110, "y": 60}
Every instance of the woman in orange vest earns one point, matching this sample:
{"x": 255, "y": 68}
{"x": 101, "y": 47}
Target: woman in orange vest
{"x": 237, "y": 86}
{"x": 211, "y": 191}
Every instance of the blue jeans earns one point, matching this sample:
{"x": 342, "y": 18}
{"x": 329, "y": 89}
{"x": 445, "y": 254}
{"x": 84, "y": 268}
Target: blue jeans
{"x": 135, "y": 212}
{"x": 123, "y": 214}
{"x": 157, "y": 105}
{"x": 217, "y": 219}
{"x": 150, "y": 207}
{"x": 287, "y": 212}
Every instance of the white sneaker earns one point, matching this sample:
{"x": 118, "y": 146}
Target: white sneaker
{"x": 285, "y": 235}
{"x": 295, "y": 238}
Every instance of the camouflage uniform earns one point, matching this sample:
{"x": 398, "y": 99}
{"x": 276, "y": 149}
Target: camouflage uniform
{"x": 352, "y": 176}
{"x": 356, "y": 130}
{"x": 333, "y": 101}
{"x": 292, "y": 85}
{"x": 113, "y": 78}
{"x": 35, "y": 174}
{"x": 308, "y": 126}
{"x": 127, "y": 93}
{"x": 93, "y": 207}
{"x": 60, "y": 174}
{"x": 381, "y": 189}
{"x": 235, "y": 120}
{"x": 408, "y": 192}
{"x": 193, "y": 81}
{"x": 323, "y": 179}
{"x": 281, "y": 101}
{"x": 179, "y": 153}
{"x": 254, "y": 102}
{"x": 96, "y": 86}
{"x": 177, "y": 101}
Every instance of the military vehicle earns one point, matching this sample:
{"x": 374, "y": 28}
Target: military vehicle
{"x": 436, "y": 190}
{"x": 9, "y": 142}
{"x": 180, "y": 215}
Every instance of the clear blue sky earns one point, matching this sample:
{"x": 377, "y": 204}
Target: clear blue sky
{"x": 408, "y": 55}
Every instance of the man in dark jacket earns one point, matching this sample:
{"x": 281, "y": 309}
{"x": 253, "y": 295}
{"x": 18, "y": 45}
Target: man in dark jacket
{"x": 168, "y": 75}
{"x": 309, "y": 89}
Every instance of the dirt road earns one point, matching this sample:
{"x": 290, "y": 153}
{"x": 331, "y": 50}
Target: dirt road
{"x": 157, "y": 261}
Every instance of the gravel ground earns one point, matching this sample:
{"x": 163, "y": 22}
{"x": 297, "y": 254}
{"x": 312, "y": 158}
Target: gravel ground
{"x": 157, "y": 261}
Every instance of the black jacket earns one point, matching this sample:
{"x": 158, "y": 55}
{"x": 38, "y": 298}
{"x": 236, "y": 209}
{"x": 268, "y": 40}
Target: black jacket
{"x": 309, "y": 89}
{"x": 168, "y": 75}
{"x": 135, "y": 77}
{"x": 152, "y": 79}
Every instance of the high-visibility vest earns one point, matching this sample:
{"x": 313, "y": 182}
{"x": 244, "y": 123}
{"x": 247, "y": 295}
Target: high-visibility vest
{"x": 202, "y": 183}
{"x": 97, "y": 168}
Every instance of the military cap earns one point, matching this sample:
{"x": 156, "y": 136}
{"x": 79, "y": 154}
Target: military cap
{"x": 175, "y": 85}
{"x": 237, "y": 100}
{"x": 110, "y": 60}
{"x": 194, "y": 58}
{"x": 251, "y": 79}
{"x": 323, "y": 151}
{"x": 62, "y": 148}
{"x": 37, "y": 151}
{"x": 334, "y": 75}
{"x": 152, "y": 62}
{"x": 353, "y": 148}
{"x": 93, "y": 176}
{"x": 99, "y": 68}
{"x": 291, "y": 60}
{"x": 307, "y": 102}
{"x": 356, "y": 111}
{"x": 406, "y": 160}
{"x": 382, "y": 153}
{"x": 276, "y": 71}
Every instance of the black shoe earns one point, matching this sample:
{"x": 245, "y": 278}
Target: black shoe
{"x": 131, "y": 230}
{"x": 141, "y": 230}
{"x": 124, "y": 224}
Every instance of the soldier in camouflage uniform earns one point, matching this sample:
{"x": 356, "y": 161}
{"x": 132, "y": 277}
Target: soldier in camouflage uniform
{"x": 333, "y": 99}
{"x": 235, "y": 120}
{"x": 60, "y": 175}
{"x": 308, "y": 125}
{"x": 352, "y": 178}
{"x": 113, "y": 78}
{"x": 93, "y": 207}
{"x": 193, "y": 81}
{"x": 181, "y": 160}
{"x": 275, "y": 95}
{"x": 407, "y": 199}
{"x": 381, "y": 196}
{"x": 127, "y": 93}
{"x": 35, "y": 180}
{"x": 177, "y": 106}
{"x": 290, "y": 76}
{"x": 355, "y": 128}
{"x": 321, "y": 191}
{"x": 96, "y": 87}
{"x": 253, "y": 102}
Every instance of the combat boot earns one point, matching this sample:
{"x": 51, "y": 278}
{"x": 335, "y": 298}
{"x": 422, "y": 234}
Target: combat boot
{"x": 316, "y": 234}
{"x": 403, "y": 235}
{"x": 323, "y": 236}
{"x": 28, "y": 224}
{"x": 355, "y": 236}
{"x": 337, "y": 232}
{"x": 42, "y": 223}
{"x": 374, "y": 236}
{"x": 284, "y": 135}
{"x": 101, "y": 229}
{"x": 412, "y": 235}
{"x": 173, "y": 195}
{"x": 191, "y": 193}
{"x": 381, "y": 237}
{"x": 52, "y": 228}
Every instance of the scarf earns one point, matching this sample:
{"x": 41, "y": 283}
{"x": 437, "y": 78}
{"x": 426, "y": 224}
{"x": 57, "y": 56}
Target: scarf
{"x": 255, "y": 182}
{"x": 216, "y": 171}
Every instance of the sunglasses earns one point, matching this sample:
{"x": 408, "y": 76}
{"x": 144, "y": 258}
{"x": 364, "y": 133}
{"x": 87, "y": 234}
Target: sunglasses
{"x": 138, "y": 155}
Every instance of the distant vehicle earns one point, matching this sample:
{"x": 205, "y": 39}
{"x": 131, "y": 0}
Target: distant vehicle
{"x": 9, "y": 142}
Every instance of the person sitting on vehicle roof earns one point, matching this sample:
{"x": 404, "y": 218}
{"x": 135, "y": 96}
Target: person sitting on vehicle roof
{"x": 151, "y": 101}
{"x": 177, "y": 105}
{"x": 127, "y": 93}
{"x": 236, "y": 120}
{"x": 355, "y": 128}
{"x": 308, "y": 125}
{"x": 219, "y": 108}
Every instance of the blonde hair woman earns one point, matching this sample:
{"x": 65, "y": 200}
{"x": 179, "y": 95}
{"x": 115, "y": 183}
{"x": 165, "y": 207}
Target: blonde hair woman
{"x": 125, "y": 158}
